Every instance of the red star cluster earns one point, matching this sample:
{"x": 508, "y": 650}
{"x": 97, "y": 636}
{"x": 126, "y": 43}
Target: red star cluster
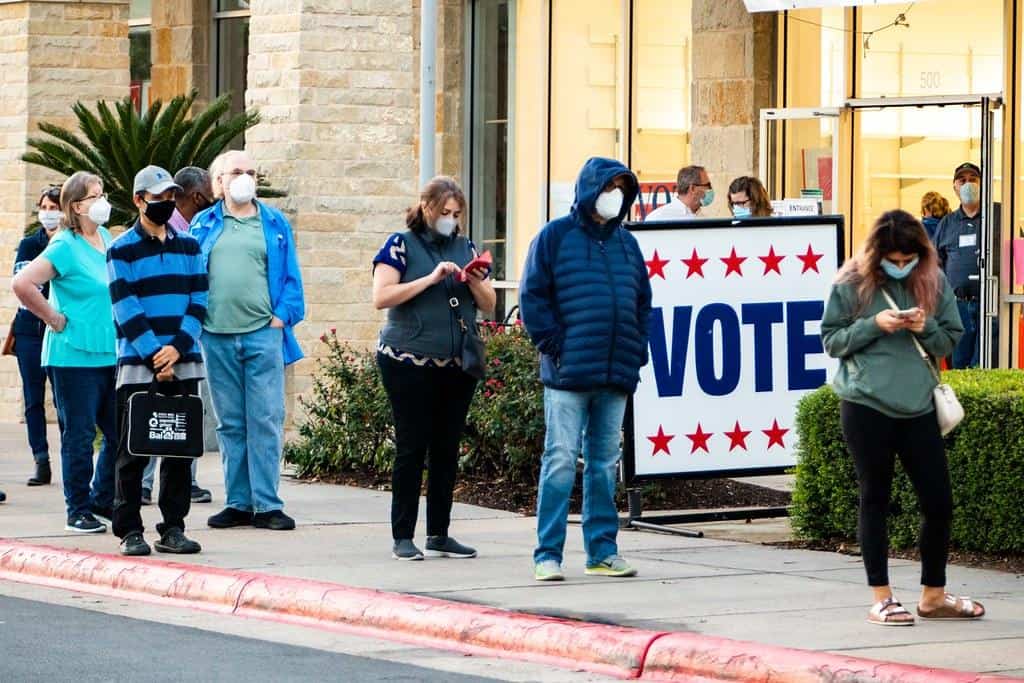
{"x": 734, "y": 263}
{"x": 661, "y": 442}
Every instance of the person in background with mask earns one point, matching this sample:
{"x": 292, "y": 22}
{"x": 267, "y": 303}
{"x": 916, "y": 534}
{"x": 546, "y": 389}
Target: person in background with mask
{"x": 419, "y": 356}
{"x": 28, "y": 335}
{"x": 693, "y": 194}
{"x": 586, "y": 300}
{"x": 79, "y": 346}
{"x": 934, "y": 208}
{"x": 255, "y": 299}
{"x": 195, "y": 195}
{"x": 748, "y": 198}
{"x": 957, "y": 240}
{"x": 887, "y": 406}
{"x": 158, "y": 287}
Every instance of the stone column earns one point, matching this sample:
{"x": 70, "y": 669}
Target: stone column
{"x": 335, "y": 83}
{"x": 734, "y": 67}
{"x": 181, "y": 49}
{"x": 52, "y": 53}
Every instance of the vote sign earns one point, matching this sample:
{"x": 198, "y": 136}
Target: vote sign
{"x": 734, "y": 343}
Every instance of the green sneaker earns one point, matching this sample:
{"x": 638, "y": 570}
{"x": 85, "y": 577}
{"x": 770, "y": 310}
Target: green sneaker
{"x": 613, "y": 565}
{"x": 548, "y": 570}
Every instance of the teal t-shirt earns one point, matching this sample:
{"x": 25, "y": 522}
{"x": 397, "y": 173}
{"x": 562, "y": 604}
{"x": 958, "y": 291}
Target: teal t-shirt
{"x": 81, "y": 292}
{"x": 239, "y": 299}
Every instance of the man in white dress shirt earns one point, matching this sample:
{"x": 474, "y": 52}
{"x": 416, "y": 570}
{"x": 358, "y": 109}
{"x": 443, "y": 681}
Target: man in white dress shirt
{"x": 693, "y": 193}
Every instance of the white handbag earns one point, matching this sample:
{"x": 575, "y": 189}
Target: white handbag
{"x": 948, "y": 411}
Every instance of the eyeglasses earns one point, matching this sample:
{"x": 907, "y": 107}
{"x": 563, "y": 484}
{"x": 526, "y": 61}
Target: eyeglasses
{"x": 93, "y": 196}
{"x": 238, "y": 171}
{"x": 707, "y": 185}
{"x": 745, "y": 202}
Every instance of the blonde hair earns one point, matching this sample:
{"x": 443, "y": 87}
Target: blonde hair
{"x": 75, "y": 189}
{"x": 934, "y": 205}
{"x": 216, "y": 167}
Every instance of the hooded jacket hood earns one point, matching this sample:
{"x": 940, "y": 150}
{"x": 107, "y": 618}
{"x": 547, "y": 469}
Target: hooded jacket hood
{"x": 595, "y": 174}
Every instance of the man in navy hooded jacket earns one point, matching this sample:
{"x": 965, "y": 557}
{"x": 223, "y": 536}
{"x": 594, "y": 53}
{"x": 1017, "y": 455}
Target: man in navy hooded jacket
{"x": 585, "y": 301}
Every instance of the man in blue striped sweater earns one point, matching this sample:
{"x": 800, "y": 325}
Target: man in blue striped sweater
{"x": 158, "y": 286}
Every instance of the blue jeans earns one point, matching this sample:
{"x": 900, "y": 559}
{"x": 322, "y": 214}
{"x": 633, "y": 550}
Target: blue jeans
{"x": 28, "y": 349}
{"x": 246, "y": 377}
{"x": 86, "y": 400}
{"x": 965, "y": 355}
{"x": 590, "y": 421}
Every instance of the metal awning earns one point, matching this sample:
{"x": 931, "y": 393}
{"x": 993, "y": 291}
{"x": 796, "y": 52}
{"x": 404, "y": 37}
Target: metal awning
{"x": 783, "y": 5}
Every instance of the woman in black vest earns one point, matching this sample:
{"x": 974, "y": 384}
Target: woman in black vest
{"x": 28, "y": 336}
{"x": 415, "y": 279}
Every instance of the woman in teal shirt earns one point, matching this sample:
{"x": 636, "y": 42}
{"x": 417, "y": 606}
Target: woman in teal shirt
{"x": 79, "y": 346}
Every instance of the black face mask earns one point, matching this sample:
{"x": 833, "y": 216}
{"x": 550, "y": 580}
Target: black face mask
{"x": 160, "y": 212}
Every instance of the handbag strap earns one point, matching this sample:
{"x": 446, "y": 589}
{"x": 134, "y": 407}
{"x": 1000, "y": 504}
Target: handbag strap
{"x": 920, "y": 349}
{"x": 453, "y": 301}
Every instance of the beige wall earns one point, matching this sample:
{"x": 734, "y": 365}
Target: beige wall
{"x": 51, "y": 54}
{"x": 181, "y": 49}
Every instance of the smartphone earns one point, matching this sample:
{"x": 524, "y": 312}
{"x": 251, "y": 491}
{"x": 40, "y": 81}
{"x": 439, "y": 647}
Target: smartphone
{"x": 907, "y": 313}
{"x": 482, "y": 262}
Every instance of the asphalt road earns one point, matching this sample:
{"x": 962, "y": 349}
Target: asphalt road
{"x": 44, "y": 642}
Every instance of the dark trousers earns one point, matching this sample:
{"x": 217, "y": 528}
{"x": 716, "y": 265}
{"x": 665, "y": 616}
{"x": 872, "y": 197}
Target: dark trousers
{"x": 873, "y": 438}
{"x": 175, "y": 476}
{"x": 28, "y": 349}
{"x": 429, "y": 405}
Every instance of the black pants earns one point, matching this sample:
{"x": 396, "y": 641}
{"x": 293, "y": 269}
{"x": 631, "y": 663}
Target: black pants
{"x": 429, "y": 406}
{"x": 175, "y": 476}
{"x": 873, "y": 438}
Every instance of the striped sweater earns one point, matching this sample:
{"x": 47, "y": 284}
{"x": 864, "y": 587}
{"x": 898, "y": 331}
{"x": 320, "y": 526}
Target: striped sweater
{"x": 159, "y": 292}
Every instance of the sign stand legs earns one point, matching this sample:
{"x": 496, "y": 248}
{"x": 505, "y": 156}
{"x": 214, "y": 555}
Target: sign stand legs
{"x": 660, "y": 523}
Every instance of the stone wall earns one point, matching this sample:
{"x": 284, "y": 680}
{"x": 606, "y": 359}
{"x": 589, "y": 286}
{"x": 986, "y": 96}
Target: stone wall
{"x": 733, "y": 79}
{"x": 181, "y": 49}
{"x": 52, "y": 53}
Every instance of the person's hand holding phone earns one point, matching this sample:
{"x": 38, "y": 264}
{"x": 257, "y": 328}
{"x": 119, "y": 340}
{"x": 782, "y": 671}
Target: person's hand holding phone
{"x": 913, "y": 319}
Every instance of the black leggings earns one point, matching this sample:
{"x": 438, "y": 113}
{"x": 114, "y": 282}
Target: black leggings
{"x": 872, "y": 438}
{"x": 430, "y": 406}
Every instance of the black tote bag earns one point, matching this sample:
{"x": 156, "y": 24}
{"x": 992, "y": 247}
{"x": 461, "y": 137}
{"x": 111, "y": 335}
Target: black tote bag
{"x": 165, "y": 424}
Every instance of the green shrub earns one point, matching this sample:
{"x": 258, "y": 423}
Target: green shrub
{"x": 986, "y": 462}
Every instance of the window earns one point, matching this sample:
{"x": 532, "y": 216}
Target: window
{"x": 231, "y": 56}
{"x": 140, "y": 51}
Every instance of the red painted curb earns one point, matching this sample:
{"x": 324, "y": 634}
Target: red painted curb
{"x": 604, "y": 649}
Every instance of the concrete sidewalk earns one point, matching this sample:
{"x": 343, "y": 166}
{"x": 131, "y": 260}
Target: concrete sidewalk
{"x": 725, "y": 588}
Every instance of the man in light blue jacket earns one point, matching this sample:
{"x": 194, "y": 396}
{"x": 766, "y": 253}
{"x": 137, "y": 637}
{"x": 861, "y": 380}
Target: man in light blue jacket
{"x": 255, "y": 300}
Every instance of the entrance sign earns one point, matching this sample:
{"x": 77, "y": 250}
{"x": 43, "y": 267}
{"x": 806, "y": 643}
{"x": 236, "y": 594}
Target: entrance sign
{"x": 796, "y": 207}
{"x": 734, "y": 343}
{"x": 783, "y": 5}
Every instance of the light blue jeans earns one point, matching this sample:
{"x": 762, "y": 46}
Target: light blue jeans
{"x": 591, "y": 422}
{"x": 246, "y": 377}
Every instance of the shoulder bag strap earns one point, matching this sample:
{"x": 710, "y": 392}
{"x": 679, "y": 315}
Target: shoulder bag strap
{"x": 920, "y": 349}
{"x": 453, "y": 301}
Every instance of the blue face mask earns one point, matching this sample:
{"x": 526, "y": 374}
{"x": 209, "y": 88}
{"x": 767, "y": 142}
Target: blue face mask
{"x": 741, "y": 211}
{"x": 895, "y": 272}
{"x": 708, "y": 197}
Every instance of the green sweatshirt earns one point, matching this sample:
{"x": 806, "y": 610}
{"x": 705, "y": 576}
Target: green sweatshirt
{"x": 885, "y": 371}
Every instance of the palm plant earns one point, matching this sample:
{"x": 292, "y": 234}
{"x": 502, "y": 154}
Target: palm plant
{"x": 114, "y": 143}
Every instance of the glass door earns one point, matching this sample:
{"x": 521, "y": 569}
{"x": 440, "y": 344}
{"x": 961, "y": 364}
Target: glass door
{"x": 799, "y": 154}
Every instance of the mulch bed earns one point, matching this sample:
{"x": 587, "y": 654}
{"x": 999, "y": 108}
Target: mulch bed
{"x": 1004, "y": 562}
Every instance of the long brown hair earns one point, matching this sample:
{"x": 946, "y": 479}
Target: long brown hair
{"x": 894, "y": 231}
{"x": 760, "y": 205}
{"x": 435, "y": 195}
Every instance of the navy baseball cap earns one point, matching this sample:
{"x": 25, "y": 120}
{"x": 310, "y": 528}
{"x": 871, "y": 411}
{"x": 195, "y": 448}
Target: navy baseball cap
{"x": 966, "y": 166}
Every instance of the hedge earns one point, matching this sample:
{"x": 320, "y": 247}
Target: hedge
{"x": 986, "y": 462}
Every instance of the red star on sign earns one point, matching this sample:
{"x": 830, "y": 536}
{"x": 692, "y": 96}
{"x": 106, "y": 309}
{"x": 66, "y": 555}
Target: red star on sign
{"x": 694, "y": 264}
{"x": 656, "y": 266}
{"x": 660, "y": 441}
{"x": 771, "y": 261}
{"x": 732, "y": 263}
{"x": 737, "y": 437}
{"x": 775, "y": 434}
{"x": 810, "y": 260}
{"x": 699, "y": 439}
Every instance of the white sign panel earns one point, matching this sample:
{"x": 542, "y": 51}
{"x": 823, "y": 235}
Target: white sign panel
{"x": 783, "y": 5}
{"x": 735, "y": 342}
{"x": 796, "y": 207}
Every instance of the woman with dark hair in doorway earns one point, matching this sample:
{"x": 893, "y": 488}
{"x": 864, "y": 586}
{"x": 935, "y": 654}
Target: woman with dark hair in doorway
{"x": 884, "y": 298}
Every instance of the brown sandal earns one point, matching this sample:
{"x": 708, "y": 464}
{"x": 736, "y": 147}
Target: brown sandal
{"x": 953, "y": 608}
{"x": 889, "y": 612}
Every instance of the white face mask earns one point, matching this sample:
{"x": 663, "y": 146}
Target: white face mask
{"x": 99, "y": 211}
{"x": 445, "y": 225}
{"x": 609, "y": 204}
{"x": 242, "y": 189}
{"x": 49, "y": 219}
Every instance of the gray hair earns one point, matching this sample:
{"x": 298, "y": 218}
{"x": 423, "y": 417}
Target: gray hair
{"x": 193, "y": 179}
{"x": 688, "y": 177}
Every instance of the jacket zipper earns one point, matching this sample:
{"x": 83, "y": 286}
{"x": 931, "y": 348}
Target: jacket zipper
{"x": 615, "y": 309}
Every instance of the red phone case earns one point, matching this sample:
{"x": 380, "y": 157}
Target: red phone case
{"x": 483, "y": 261}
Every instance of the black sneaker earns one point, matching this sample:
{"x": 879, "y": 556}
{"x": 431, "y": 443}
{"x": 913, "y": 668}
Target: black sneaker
{"x": 201, "y": 495}
{"x": 43, "y": 475}
{"x": 3, "y": 496}
{"x": 230, "y": 517}
{"x": 446, "y": 546}
{"x": 405, "y": 549}
{"x": 134, "y": 544}
{"x": 147, "y": 496}
{"x": 175, "y": 541}
{"x": 85, "y": 524}
{"x": 275, "y": 520}
{"x": 104, "y": 514}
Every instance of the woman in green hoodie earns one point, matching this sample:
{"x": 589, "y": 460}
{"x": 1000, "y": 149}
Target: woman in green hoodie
{"x": 887, "y": 407}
